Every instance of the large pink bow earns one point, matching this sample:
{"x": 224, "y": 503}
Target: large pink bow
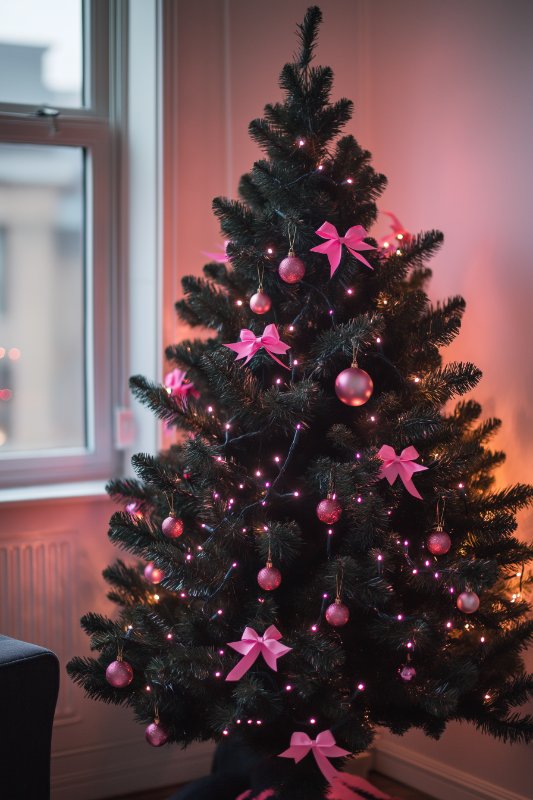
{"x": 353, "y": 239}
{"x": 323, "y": 747}
{"x": 402, "y": 465}
{"x": 177, "y": 386}
{"x": 252, "y": 646}
{"x": 250, "y": 344}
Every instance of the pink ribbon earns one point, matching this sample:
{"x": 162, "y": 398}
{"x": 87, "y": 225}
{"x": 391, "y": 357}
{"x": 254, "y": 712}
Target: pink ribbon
{"x": 250, "y": 344}
{"x": 177, "y": 386}
{"x": 402, "y": 465}
{"x": 252, "y": 646}
{"x": 397, "y": 228}
{"x": 349, "y": 787}
{"x": 353, "y": 240}
{"x": 222, "y": 256}
{"x": 323, "y": 748}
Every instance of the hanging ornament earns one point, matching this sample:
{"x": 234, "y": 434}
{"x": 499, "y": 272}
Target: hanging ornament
{"x": 269, "y": 577}
{"x": 292, "y": 268}
{"x": 153, "y": 574}
{"x": 172, "y": 526}
{"x": 468, "y": 602}
{"x": 354, "y": 386}
{"x": 156, "y": 734}
{"x": 119, "y": 673}
{"x": 329, "y": 510}
{"x": 407, "y": 672}
{"x": 337, "y": 614}
{"x": 260, "y": 302}
{"x": 438, "y": 542}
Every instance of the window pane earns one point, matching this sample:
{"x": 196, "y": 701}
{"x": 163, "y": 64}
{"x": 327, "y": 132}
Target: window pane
{"x": 42, "y": 349}
{"x": 41, "y": 52}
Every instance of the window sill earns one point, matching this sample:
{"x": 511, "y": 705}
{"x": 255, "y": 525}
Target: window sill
{"x": 58, "y": 491}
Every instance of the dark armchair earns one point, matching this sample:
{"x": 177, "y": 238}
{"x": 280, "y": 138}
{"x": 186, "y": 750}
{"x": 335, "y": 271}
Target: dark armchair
{"x": 29, "y": 684}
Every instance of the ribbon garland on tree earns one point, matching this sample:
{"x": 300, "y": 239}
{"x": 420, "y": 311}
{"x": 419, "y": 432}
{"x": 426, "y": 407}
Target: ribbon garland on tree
{"x": 252, "y": 646}
{"x": 353, "y": 240}
{"x": 400, "y": 465}
{"x": 250, "y": 344}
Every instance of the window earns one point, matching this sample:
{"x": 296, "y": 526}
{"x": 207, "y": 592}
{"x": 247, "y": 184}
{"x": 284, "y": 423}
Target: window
{"x": 57, "y": 178}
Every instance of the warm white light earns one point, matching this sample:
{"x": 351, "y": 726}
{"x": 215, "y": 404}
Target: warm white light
{"x": 297, "y": 494}
{"x": 269, "y": 251}
{"x": 349, "y": 180}
{"x": 239, "y": 303}
{"x": 210, "y": 409}
{"x": 301, "y": 142}
{"x": 361, "y": 686}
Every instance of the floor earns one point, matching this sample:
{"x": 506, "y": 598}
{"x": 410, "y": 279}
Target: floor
{"x": 398, "y": 790}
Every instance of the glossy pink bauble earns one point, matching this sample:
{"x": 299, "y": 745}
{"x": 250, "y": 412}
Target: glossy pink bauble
{"x": 260, "y": 303}
{"x": 329, "y": 510}
{"x": 156, "y": 735}
{"x": 291, "y": 269}
{"x": 119, "y": 674}
{"x": 439, "y": 542}
{"x": 468, "y": 602}
{"x": 354, "y": 386}
{"x": 407, "y": 673}
{"x": 269, "y": 578}
{"x": 153, "y": 574}
{"x": 172, "y": 527}
{"x": 337, "y": 614}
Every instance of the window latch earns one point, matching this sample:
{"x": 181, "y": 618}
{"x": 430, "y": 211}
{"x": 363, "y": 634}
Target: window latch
{"x": 51, "y": 114}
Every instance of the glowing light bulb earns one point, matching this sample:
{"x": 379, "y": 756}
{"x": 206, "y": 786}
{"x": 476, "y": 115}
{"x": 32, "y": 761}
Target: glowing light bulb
{"x": 258, "y": 473}
{"x": 313, "y": 628}
{"x": 361, "y": 686}
{"x": 406, "y": 543}
{"x": 448, "y": 624}
{"x": 269, "y": 251}
{"x": 288, "y": 688}
{"x": 415, "y": 572}
{"x": 349, "y": 291}
{"x": 220, "y": 612}
{"x": 312, "y": 721}
{"x": 295, "y": 362}
{"x": 409, "y": 645}
{"x": 296, "y": 494}
{"x": 380, "y": 558}
{"x": 301, "y": 142}
{"x": 461, "y": 486}
{"x": 399, "y": 236}
{"x": 169, "y": 636}
{"x": 225, "y": 732}
{"x": 291, "y": 328}
{"x": 156, "y": 597}
{"x": 349, "y": 180}
{"x": 330, "y": 531}
{"x": 320, "y": 167}
{"x": 399, "y": 617}
{"x": 378, "y": 340}
{"x": 218, "y": 674}
{"x": 238, "y": 303}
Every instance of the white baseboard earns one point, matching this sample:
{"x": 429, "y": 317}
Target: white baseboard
{"x": 93, "y": 772}
{"x": 435, "y": 778}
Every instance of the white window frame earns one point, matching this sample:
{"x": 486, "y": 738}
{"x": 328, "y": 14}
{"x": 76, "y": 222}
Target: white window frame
{"x": 94, "y": 128}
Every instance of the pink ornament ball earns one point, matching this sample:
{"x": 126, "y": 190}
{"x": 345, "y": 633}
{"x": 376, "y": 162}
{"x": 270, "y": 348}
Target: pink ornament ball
{"x": 439, "y": 542}
{"x": 291, "y": 269}
{"x": 329, "y": 510}
{"x": 153, "y": 574}
{"x": 337, "y": 614}
{"x": 269, "y": 578}
{"x": 156, "y": 734}
{"x": 172, "y": 527}
{"x": 260, "y": 303}
{"x": 354, "y": 386}
{"x": 407, "y": 673}
{"x": 119, "y": 674}
{"x": 468, "y": 602}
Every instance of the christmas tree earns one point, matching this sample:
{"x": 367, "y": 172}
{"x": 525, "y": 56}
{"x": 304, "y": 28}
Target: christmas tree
{"x": 326, "y": 549}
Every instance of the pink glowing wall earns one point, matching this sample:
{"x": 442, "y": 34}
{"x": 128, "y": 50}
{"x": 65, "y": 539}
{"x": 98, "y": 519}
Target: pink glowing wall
{"x": 444, "y": 100}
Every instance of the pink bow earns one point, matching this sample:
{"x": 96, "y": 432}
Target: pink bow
{"x": 252, "y": 645}
{"x": 177, "y": 386}
{"x": 220, "y": 257}
{"x": 401, "y": 465}
{"x": 353, "y": 239}
{"x": 250, "y": 344}
{"x": 397, "y": 231}
{"x": 323, "y": 747}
